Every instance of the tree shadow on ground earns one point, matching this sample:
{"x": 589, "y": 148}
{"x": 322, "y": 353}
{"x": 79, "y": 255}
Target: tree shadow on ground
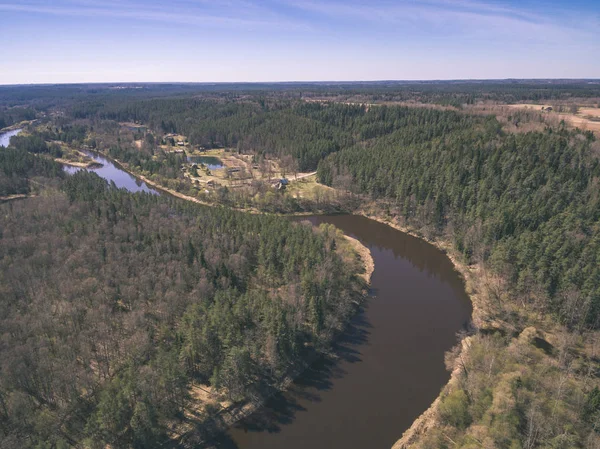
{"x": 282, "y": 407}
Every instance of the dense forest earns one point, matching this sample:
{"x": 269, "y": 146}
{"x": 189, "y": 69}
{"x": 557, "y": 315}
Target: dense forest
{"x": 527, "y": 204}
{"x": 277, "y": 127}
{"x": 14, "y": 115}
{"x": 233, "y": 300}
{"x": 113, "y": 303}
{"x": 49, "y": 97}
{"x": 22, "y": 172}
{"x": 523, "y": 208}
{"x": 306, "y": 131}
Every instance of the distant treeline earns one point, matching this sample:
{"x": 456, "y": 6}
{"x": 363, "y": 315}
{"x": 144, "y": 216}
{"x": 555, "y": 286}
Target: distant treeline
{"x": 440, "y": 92}
{"x": 306, "y": 131}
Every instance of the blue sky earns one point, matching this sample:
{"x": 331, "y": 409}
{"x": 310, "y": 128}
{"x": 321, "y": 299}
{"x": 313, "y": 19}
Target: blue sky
{"x": 52, "y": 41}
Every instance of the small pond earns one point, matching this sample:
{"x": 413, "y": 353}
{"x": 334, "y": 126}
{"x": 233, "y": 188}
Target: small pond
{"x": 212, "y": 162}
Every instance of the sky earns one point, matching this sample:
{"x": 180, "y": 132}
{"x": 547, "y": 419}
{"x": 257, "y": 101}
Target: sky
{"x": 71, "y": 41}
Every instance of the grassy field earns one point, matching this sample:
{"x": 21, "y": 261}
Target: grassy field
{"x": 586, "y": 118}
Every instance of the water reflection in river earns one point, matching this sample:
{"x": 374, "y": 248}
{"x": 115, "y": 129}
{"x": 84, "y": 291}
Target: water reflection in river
{"x": 112, "y": 173}
{"x": 5, "y": 136}
{"x": 391, "y": 359}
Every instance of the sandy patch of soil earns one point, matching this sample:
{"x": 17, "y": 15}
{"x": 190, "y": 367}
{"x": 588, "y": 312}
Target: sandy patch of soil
{"x": 365, "y": 256}
{"x": 585, "y": 119}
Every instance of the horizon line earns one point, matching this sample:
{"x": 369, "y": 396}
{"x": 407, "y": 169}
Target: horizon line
{"x": 432, "y": 80}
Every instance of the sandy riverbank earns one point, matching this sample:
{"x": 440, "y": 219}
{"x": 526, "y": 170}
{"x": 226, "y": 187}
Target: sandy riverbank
{"x": 365, "y": 256}
{"x": 235, "y": 413}
{"x": 17, "y": 196}
{"x": 91, "y": 164}
{"x": 480, "y": 319}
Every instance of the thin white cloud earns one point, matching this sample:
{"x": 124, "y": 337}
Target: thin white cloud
{"x": 311, "y": 39}
{"x": 467, "y": 17}
{"x": 200, "y": 12}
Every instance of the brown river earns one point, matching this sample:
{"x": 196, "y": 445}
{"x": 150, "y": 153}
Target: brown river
{"x": 390, "y": 364}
